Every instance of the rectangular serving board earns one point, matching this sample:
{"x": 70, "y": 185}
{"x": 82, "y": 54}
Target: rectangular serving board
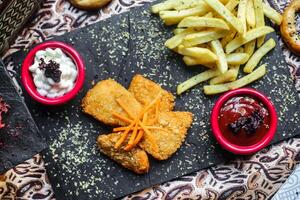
{"x": 119, "y": 48}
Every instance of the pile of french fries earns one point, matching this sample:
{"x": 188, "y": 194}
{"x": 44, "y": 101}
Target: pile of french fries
{"x": 220, "y": 35}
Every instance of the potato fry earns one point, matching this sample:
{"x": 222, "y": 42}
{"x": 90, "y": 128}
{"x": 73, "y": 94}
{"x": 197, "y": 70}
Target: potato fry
{"x": 178, "y": 30}
{"x": 171, "y": 17}
{"x": 195, "y": 80}
{"x": 186, "y": 4}
{"x": 241, "y": 15}
{"x": 203, "y": 22}
{"x": 224, "y": 2}
{"x": 210, "y": 14}
{"x": 223, "y": 78}
{"x": 228, "y": 37}
{"x": 231, "y": 4}
{"x": 258, "y": 55}
{"x": 250, "y": 35}
{"x": 259, "y": 19}
{"x": 177, "y": 39}
{"x": 217, "y": 48}
{"x": 250, "y": 17}
{"x": 226, "y": 14}
{"x": 203, "y": 37}
{"x": 272, "y": 14}
{"x": 250, "y": 47}
{"x": 237, "y": 58}
{"x": 199, "y": 53}
{"x": 235, "y": 69}
{"x": 255, "y": 75}
{"x": 191, "y": 61}
{"x": 167, "y": 5}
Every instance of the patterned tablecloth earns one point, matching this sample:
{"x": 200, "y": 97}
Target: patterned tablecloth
{"x": 254, "y": 177}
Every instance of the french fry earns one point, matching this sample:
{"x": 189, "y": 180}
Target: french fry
{"x": 250, "y": 17}
{"x": 272, "y": 14}
{"x": 226, "y": 14}
{"x": 217, "y": 48}
{"x": 171, "y": 17}
{"x": 228, "y": 37}
{"x": 250, "y": 47}
{"x": 197, "y": 52}
{"x": 195, "y": 80}
{"x": 191, "y": 61}
{"x": 258, "y": 55}
{"x": 250, "y": 35}
{"x": 203, "y": 37}
{"x": 167, "y": 5}
{"x": 241, "y": 15}
{"x": 237, "y": 58}
{"x": 235, "y": 69}
{"x": 231, "y": 4}
{"x": 203, "y": 22}
{"x": 223, "y": 78}
{"x": 186, "y": 4}
{"x": 178, "y": 30}
{"x": 210, "y": 14}
{"x": 259, "y": 19}
{"x": 224, "y": 2}
{"x": 177, "y": 39}
{"x": 255, "y": 75}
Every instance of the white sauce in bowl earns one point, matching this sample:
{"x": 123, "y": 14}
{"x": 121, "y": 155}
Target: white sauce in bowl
{"x": 46, "y": 86}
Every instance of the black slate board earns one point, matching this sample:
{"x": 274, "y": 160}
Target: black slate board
{"x": 120, "y": 47}
{"x": 20, "y": 131}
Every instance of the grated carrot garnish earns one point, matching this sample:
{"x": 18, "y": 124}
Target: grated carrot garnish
{"x": 138, "y": 137}
{"x": 137, "y": 132}
{"x": 122, "y": 118}
{"x": 124, "y": 135}
{"x": 133, "y": 135}
{"x": 125, "y": 108}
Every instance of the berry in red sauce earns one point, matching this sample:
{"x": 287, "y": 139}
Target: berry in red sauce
{"x": 244, "y": 120}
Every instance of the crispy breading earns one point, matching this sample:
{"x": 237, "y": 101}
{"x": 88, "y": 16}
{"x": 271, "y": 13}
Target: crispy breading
{"x": 135, "y": 159}
{"x": 145, "y": 90}
{"x": 100, "y": 102}
{"x": 161, "y": 144}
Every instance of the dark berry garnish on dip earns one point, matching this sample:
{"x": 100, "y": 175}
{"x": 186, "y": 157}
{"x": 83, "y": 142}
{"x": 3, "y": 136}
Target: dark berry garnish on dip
{"x": 51, "y": 69}
{"x": 244, "y": 120}
{"x": 3, "y": 109}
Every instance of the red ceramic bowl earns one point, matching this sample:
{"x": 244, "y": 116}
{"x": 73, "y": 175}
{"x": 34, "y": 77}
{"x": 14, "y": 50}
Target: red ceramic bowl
{"x": 27, "y": 78}
{"x": 236, "y": 148}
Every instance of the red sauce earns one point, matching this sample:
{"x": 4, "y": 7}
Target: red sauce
{"x": 3, "y": 109}
{"x": 243, "y": 107}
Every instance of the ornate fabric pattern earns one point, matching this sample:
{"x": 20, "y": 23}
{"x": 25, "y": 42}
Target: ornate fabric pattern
{"x": 12, "y": 18}
{"x": 254, "y": 177}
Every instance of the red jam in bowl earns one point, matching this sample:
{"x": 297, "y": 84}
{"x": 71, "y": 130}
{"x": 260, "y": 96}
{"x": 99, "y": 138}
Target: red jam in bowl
{"x": 244, "y": 120}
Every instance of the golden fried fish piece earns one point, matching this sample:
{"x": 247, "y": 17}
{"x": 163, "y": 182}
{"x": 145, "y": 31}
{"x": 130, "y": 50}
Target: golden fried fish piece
{"x": 145, "y": 90}
{"x": 100, "y": 102}
{"x": 135, "y": 160}
{"x": 161, "y": 144}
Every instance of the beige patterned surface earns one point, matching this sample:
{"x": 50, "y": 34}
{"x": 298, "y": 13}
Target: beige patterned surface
{"x": 255, "y": 177}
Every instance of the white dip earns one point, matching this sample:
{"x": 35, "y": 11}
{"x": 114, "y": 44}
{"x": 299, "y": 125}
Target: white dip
{"x": 51, "y": 87}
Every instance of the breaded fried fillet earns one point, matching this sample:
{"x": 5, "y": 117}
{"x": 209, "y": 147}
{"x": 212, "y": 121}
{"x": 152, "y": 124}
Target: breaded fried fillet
{"x": 135, "y": 160}
{"x": 145, "y": 90}
{"x": 100, "y": 102}
{"x": 161, "y": 144}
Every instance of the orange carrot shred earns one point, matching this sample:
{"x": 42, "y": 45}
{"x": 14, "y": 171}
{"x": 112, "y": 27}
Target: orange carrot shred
{"x": 125, "y": 108}
{"x": 122, "y": 118}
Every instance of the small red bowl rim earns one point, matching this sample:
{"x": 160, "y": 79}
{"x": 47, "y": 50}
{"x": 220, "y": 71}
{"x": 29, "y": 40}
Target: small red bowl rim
{"x": 234, "y": 148}
{"x": 26, "y": 76}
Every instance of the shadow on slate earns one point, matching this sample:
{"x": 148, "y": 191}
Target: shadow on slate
{"x": 121, "y": 47}
{"x": 20, "y": 132}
